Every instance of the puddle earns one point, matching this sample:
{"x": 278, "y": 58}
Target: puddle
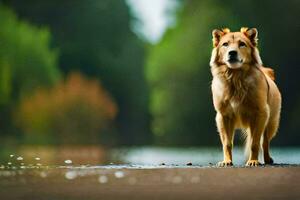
{"x": 130, "y": 158}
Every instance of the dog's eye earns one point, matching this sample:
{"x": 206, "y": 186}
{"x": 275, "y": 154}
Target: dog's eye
{"x": 242, "y": 44}
{"x": 225, "y": 44}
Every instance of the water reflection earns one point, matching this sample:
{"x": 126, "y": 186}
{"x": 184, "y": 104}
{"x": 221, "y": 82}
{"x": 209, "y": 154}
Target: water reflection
{"x": 37, "y": 156}
{"x": 40, "y": 157}
{"x": 194, "y": 156}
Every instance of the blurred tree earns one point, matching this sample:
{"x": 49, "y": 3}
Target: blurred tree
{"x": 26, "y": 62}
{"x": 178, "y": 67}
{"x": 94, "y": 37}
{"x": 74, "y": 112}
{"x": 179, "y": 76}
{"x": 279, "y": 46}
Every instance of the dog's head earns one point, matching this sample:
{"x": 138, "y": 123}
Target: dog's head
{"x": 235, "y": 49}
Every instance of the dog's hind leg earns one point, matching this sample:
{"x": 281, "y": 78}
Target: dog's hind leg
{"x": 269, "y": 133}
{"x": 266, "y": 147}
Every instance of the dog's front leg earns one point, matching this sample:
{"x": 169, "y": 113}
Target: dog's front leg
{"x": 257, "y": 128}
{"x": 226, "y": 128}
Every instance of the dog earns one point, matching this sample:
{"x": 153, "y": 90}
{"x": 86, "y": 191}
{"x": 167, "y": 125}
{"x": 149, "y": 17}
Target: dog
{"x": 245, "y": 95}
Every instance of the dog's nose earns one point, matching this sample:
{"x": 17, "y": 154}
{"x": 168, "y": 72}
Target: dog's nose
{"x": 232, "y": 53}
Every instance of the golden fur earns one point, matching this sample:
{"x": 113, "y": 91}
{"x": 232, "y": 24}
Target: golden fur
{"x": 245, "y": 95}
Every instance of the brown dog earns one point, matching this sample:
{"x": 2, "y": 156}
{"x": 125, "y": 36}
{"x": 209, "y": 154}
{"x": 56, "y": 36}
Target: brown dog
{"x": 244, "y": 94}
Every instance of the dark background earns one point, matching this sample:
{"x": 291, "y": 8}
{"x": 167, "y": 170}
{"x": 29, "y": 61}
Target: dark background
{"x": 74, "y": 72}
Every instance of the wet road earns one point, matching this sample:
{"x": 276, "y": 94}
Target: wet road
{"x": 150, "y": 182}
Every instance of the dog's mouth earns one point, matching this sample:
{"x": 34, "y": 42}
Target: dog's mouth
{"x": 234, "y": 61}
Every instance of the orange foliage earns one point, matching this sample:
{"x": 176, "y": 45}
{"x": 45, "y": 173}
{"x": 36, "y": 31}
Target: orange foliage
{"x": 74, "y": 111}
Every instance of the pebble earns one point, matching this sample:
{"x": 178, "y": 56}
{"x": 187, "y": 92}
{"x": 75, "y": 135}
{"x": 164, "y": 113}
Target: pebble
{"x": 119, "y": 174}
{"x": 43, "y": 174}
{"x": 19, "y": 158}
{"x": 71, "y": 175}
{"x": 68, "y": 161}
{"x": 103, "y": 179}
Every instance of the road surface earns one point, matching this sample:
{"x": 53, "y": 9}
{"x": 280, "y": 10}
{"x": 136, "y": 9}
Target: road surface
{"x": 150, "y": 183}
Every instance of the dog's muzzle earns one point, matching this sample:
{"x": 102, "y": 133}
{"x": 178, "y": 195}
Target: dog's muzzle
{"x": 233, "y": 57}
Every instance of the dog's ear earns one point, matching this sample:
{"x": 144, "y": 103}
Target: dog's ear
{"x": 217, "y": 34}
{"x": 251, "y": 34}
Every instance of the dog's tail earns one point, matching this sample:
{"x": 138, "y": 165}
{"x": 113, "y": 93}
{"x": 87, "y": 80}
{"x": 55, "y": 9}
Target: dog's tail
{"x": 269, "y": 72}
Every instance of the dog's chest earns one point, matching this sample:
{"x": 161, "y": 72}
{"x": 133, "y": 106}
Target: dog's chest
{"x": 231, "y": 97}
{"x": 235, "y": 105}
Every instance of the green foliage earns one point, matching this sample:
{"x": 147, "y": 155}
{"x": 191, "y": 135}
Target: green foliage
{"x": 279, "y": 46}
{"x": 26, "y": 62}
{"x": 75, "y": 112}
{"x": 179, "y": 74}
{"x": 5, "y": 83}
{"x": 94, "y": 37}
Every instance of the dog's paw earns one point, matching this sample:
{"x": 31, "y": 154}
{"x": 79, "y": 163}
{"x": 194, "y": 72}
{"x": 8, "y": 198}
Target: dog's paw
{"x": 269, "y": 161}
{"x": 224, "y": 163}
{"x": 253, "y": 163}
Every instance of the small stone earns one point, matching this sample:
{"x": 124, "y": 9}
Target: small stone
{"x": 20, "y": 158}
{"x": 71, "y": 175}
{"x": 43, "y": 174}
{"x": 103, "y": 179}
{"x": 189, "y": 164}
{"x": 68, "y": 161}
{"x": 119, "y": 174}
